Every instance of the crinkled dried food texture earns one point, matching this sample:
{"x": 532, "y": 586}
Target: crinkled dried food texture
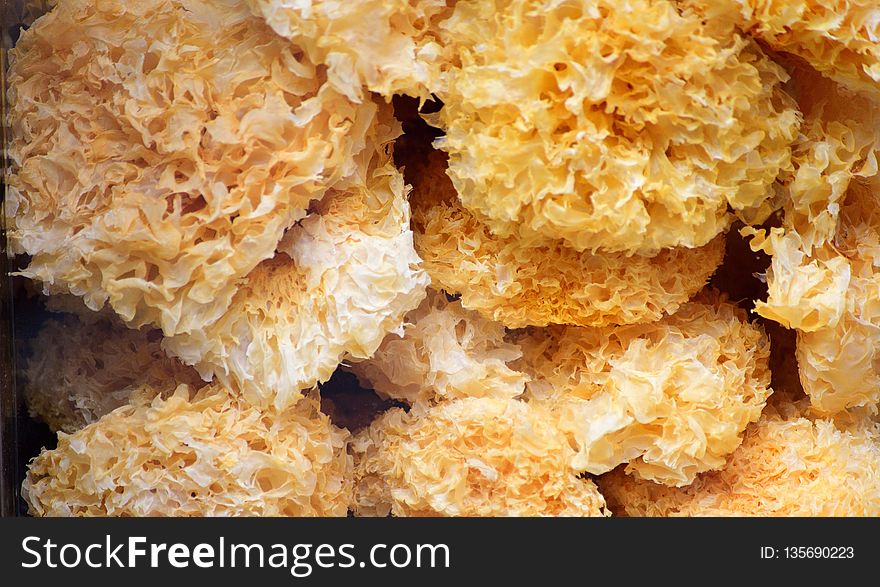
{"x": 160, "y": 148}
{"x": 671, "y": 398}
{"x": 470, "y": 457}
{"x": 444, "y": 353}
{"x": 823, "y": 279}
{"x": 343, "y": 278}
{"x": 205, "y": 453}
{"x": 79, "y": 371}
{"x": 507, "y": 280}
{"x": 806, "y": 290}
{"x": 840, "y": 363}
{"x": 840, "y": 38}
{"x": 839, "y": 144}
{"x": 794, "y": 467}
{"x": 625, "y": 126}
{"x": 387, "y": 46}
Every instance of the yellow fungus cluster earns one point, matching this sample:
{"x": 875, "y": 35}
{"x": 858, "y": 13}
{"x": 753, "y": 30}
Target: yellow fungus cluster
{"x": 449, "y": 257}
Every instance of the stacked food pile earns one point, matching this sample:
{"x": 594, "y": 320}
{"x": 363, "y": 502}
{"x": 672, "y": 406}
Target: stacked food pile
{"x": 222, "y": 207}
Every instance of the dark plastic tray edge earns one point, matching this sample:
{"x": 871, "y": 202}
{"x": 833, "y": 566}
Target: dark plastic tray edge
{"x": 10, "y": 406}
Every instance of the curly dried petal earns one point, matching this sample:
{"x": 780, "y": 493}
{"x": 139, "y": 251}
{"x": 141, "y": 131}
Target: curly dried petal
{"x": 805, "y": 291}
{"x": 670, "y": 398}
{"x": 840, "y": 38}
{"x": 205, "y": 453}
{"x": 621, "y": 126}
{"x": 840, "y": 363}
{"x": 507, "y": 280}
{"x": 839, "y": 142}
{"x": 160, "y": 148}
{"x": 79, "y": 371}
{"x": 470, "y": 457}
{"x": 823, "y": 279}
{"x": 444, "y": 352}
{"x": 792, "y": 467}
{"x": 807, "y": 279}
{"x": 387, "y": 46}
{"x": 343, "y": 278}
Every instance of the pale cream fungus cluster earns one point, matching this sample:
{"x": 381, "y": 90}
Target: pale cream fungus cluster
{"x": 535, "y": 281}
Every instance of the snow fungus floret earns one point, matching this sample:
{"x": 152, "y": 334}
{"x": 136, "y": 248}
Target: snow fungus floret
{"x": 625, "y": 126}
{"x": 784, "y": 467}
{"x": 161, "y": 148}
{"x": 445, "y": 352}
{"x": 470, "y": 457}
{"x": 840, "y": 362}
{"x": 196, "y": 453}
{"x": 517, "y": 283}
{"x": 79, "y": 371}
{"x": 823, "y": 278}
{"x": 671, "y": 398}
{"x": 343, "y": 278}
{"x": 386, "y": 46}
{"x": 208, "y": 191}
{"x": 841, "y": 39}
